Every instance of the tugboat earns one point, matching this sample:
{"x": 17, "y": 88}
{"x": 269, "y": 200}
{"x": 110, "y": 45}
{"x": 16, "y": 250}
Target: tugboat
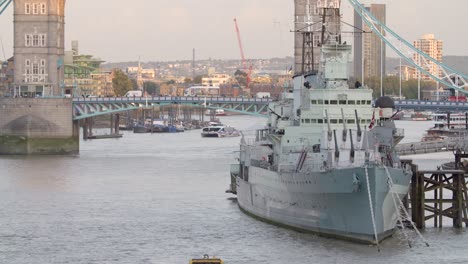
{"x": 326, "y": 161}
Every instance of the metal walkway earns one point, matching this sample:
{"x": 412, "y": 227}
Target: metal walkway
{"x": 91, "y": 107}
{"x": 432, "y": 146}
{"x": 431, "y": 105}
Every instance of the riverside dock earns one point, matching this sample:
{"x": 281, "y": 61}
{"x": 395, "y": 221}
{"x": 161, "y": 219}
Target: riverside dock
{"x": 435, "y": 194}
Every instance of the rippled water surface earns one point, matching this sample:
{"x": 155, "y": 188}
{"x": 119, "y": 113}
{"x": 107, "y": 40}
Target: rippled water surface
{"x": 160, "y": 199}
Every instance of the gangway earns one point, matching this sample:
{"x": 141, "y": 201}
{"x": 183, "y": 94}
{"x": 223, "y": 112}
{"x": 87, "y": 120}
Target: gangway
{"x": 452, "y": 144}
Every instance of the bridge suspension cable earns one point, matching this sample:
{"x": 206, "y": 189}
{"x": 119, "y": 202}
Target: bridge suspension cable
{"x": 449, "y": 77}
{"x": 4, "y": 4}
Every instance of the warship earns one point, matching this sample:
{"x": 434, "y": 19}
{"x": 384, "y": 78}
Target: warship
{"x": 325, "y": 162}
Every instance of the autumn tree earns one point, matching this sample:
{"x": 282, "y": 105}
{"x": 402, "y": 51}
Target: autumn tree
{"x": 121, "y": 83}
{"x": 151, "y": 88}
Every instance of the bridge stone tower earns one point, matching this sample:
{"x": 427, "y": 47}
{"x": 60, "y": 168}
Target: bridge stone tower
{"x": 34, "y": 121}
{"x": 39, "y": 32}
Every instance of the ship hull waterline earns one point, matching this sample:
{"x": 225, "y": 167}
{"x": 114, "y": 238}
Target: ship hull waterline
{"x": 321, "y": 208}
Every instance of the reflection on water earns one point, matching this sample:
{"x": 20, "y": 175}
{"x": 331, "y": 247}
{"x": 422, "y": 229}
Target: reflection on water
{"x": 160, "y": 199}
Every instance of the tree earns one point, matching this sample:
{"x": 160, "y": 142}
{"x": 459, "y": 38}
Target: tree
{"x": 121, "y": 83}
{"x": 391, "y": 86}
{"x": 241, "y": 77}
{"x": 151, "y": 88}
{"x": 198, "y": 79}
{"x": 134, "y": 84}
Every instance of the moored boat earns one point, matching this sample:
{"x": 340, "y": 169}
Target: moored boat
{"x": 206, "y": 260}
{"x": 141, "y": 128}
{"x": 447, "y": 126}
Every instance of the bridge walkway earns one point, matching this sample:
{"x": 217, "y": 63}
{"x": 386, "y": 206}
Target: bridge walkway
{"x": 426, "y": 147}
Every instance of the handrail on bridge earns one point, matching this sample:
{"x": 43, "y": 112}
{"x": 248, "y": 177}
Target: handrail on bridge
{"x": 171, "y": 99}
{"x": 428, "y": 102}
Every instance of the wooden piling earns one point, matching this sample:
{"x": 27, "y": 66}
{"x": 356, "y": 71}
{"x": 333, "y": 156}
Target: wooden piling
{"x": 117, "y": 124}
{"x": 85, "y": 129}
{"x": 111, "y": 124}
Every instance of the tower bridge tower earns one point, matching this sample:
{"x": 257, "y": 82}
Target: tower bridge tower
{"x": 39, "y": 32}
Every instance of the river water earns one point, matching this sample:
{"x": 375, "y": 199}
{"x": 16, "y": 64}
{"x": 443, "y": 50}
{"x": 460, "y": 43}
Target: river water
{"x": 160, "y": 199}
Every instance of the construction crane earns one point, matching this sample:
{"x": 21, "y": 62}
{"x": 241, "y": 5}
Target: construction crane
{"x": 244, "y": 62}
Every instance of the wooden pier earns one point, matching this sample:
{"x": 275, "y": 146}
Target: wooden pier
{"x": 439, "y": 194}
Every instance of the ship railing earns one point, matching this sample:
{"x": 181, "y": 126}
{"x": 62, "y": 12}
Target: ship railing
{"x": 399, "y": 132}
{"x": 250, "y": 141}
{"x": 261, "y": 164}
{"x": 261, "y": 135}
{"x": 286, "y": 168}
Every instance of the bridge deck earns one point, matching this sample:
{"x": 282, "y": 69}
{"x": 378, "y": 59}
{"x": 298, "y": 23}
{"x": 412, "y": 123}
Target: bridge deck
{"x": 96, "y": 106}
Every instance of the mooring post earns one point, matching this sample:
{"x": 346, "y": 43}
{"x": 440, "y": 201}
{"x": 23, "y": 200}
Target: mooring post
{"x": 441, "y": 198}
{"x": 111, "y": 124}
{"x": 465, "y": 200}
{"x": 152, "y": 120}
{"x": 117, "y": 124}
{"x": 417, "y": 197}
{"x": 422, "y": 197}
{"x": 457, "y": 201}
{"x": 85, "y": 129}
{"x": 414, "y": 193}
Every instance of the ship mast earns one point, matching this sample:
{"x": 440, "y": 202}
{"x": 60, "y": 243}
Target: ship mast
{"x": 331, "y": 21}
{"x": 308, "y": 60}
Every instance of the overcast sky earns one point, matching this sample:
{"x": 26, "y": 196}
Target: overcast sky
{"x": 122, "y": 30}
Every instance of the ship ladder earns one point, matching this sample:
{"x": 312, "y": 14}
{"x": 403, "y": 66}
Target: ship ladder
{"x": 301, "y": 161}
{"x": 400, "y": 207}
{"x": 372, "y": 209}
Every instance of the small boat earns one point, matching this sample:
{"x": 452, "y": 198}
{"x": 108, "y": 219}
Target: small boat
{"x": 175, "y": 129}
{"x": 105, "y": 136}
{"x": 217, "y": 112}
{"x": 159, "y": 129}
{"x": 140, "y": 129}
{"x": 219, "y": 130}
{"x": 206, "y": 260}
{"x": 220, "y": 112}
{"x": 159, "y": 126}
{"x": 446, "y": 126}
{"x": 420, "y": 116}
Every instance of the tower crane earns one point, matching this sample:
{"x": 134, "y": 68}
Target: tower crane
{"x": 244, "y": 62}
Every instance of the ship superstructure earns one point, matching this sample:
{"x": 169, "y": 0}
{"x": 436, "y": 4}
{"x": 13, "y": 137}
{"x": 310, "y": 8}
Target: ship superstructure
{"x": 326, "y": 158}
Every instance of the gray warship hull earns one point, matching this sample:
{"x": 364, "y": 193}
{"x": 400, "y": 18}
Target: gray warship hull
{"x": 334, "y": 203}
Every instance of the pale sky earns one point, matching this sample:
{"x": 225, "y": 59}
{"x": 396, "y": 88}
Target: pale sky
{"x": 162, "y": 30}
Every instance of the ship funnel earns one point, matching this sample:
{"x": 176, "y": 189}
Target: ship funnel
{"x": 337, "y": 149}
{"x": 351, "y": 153}
{"x": 359, "y": 132}
{"x": 329, "y": 127}
{"x": 344, "y": 126}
